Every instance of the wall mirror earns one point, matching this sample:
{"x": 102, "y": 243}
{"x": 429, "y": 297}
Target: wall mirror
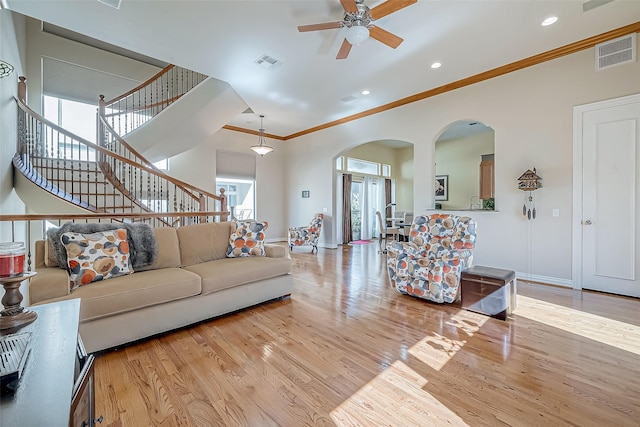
{"x": 464, "y": 157}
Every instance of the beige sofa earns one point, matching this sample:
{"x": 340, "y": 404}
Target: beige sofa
{"x": 190, "y": 281}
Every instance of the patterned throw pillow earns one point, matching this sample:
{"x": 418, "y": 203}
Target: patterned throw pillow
{"x": 247, "y": 240}
{"x": 96, "y": 256}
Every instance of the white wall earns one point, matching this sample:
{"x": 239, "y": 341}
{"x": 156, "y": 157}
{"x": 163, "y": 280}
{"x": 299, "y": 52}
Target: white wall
{"x": 41, "y": 44}
{"x": 198, "y": 167}
{"x": 531, "y": 114}
{"x": 12, "y": 50}
{"x": 404, "y": 179}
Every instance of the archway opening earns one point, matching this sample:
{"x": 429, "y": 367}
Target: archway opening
{"x": 465, "y": 164}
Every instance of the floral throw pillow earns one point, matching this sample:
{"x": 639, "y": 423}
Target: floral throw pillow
{"x": 247, "y": 239}
{"x": 96, "y": 256}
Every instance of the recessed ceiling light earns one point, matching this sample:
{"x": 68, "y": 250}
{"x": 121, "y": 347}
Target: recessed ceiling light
{"x": 365, "y": 92}
{"x": 436, "y": 65}
{"x": 550, "y": 20}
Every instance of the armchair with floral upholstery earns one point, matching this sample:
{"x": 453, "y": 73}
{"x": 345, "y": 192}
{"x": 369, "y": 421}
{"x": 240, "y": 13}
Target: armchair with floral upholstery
{"x": 428, "y": 266}
{"x": 307, "y": 235}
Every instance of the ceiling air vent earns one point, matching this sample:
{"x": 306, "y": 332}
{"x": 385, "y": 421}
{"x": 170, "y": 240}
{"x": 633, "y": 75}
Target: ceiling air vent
{"x": 112, "y": 3}
{"x": 615, "y": 52}
{"x": 592, "y": 4}
{"x": 265, "y": 61}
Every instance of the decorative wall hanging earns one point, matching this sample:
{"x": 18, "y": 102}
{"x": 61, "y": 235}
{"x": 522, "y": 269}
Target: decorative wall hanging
{"x": 5, "y": 69}
{"x": 529, "y": 181}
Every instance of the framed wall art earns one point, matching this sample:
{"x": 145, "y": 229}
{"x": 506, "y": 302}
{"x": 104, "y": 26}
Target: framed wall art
{"x": 442, "y": 187}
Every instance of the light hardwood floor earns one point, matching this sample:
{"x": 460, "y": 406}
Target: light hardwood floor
{"x": 346, "y": 349}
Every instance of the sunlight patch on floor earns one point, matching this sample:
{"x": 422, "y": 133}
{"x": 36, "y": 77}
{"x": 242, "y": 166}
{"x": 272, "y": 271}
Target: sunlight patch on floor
{"x": 394, "y": 395}
{"x": 436, "y": 350}
{"x": 607, "y": 331}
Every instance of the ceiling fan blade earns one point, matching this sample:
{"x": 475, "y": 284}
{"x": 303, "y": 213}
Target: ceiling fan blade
{"x": 389, "y": 7}
{"x": 316, "y": 27}
{"x": 350, "y": 5}
{"x": 384, "y": 36}
{"x": 344, "y": 50}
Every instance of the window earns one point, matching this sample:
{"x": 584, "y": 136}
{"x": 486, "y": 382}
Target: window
{"x": 240, "y": 196}
{"x": 362, "y": 167}
{"x": 76, "y": 117}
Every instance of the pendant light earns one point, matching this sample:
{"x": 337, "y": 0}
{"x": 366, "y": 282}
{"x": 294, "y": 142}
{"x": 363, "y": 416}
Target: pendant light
{"x": 261, "y": 148}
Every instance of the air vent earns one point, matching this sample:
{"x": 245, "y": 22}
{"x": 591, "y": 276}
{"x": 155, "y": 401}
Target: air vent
{"x": 348, "y": 98}
{"x": 112, "y": 3}
{"x": 615, "y": 52}
{"x": 248, "y": 111}
{"x": 592, "y": 4}
{"x": 265, "y": 61}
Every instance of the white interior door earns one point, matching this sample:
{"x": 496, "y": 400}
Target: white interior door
{"x": 610, "y": 252}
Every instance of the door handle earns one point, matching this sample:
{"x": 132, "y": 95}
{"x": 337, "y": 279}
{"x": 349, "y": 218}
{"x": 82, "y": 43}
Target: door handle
{"x": 587, "y": 222}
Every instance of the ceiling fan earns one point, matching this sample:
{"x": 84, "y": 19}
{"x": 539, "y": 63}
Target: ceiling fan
{"x": 358, "y": 19}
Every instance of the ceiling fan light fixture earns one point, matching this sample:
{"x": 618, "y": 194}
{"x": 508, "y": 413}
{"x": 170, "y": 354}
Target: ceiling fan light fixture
{"x": 261, "y": 147}
{"x": 357, "y": 34}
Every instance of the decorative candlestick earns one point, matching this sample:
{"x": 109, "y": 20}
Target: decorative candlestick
{"x": 14, "y": 315}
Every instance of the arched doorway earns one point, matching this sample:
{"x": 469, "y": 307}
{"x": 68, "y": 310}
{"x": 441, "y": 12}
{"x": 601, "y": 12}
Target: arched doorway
{"x": 377, "y": 171}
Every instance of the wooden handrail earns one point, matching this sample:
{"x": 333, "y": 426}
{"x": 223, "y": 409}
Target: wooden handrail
{"x": 146, "y": 107}
{"x": 159, "y": 74}
{"x": 181, "y": 184}
{"x": 109, "y": 153}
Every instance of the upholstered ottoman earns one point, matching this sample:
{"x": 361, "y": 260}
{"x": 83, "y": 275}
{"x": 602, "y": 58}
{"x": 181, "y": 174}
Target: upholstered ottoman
{"x": 490, "y": 291}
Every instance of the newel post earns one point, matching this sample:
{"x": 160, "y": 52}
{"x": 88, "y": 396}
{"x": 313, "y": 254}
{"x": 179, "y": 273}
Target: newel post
{"x": 223, "y": 205}
{"x": 22, "y": 89}
{"x": 101, "y": 112}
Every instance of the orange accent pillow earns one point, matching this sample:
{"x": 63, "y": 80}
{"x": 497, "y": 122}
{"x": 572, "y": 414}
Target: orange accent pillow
{"x": 96, "y": 256}
{"x": 247, "y": 239}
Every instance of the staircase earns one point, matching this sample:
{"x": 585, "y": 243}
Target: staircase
{"x": 192, "y": 107}
{"x": 111, "y": 176}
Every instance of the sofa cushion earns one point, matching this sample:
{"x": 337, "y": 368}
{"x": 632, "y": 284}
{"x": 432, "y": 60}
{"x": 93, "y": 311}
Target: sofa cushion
{"x": 247, "y": 239}
{"x": 229, "y": 272}
{"x": 97, "y": 256}
{"x": 168, "y": 254}
{"x": 50, "y": 259}
{"x": 127, "y": 293}
{"x": 203, "y": 242}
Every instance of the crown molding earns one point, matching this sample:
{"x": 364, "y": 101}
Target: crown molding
{"x": 477, "y": 78}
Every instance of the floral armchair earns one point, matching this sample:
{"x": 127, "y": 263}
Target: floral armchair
{"x": 308, "y": 235}
{"x": 428, "y": 266}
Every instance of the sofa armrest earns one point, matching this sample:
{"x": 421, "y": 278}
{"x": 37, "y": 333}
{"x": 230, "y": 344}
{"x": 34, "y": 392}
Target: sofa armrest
{"x": 47, "y": 284}
{"x": 275, "y": 251}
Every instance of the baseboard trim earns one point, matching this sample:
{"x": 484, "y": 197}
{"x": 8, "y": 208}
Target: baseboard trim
{"x": 566, "y": 283}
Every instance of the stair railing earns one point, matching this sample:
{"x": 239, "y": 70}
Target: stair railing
{"x": 132, "y": 109}
{"x": 148, "y": 187}
{"x": 67, "y": 165}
